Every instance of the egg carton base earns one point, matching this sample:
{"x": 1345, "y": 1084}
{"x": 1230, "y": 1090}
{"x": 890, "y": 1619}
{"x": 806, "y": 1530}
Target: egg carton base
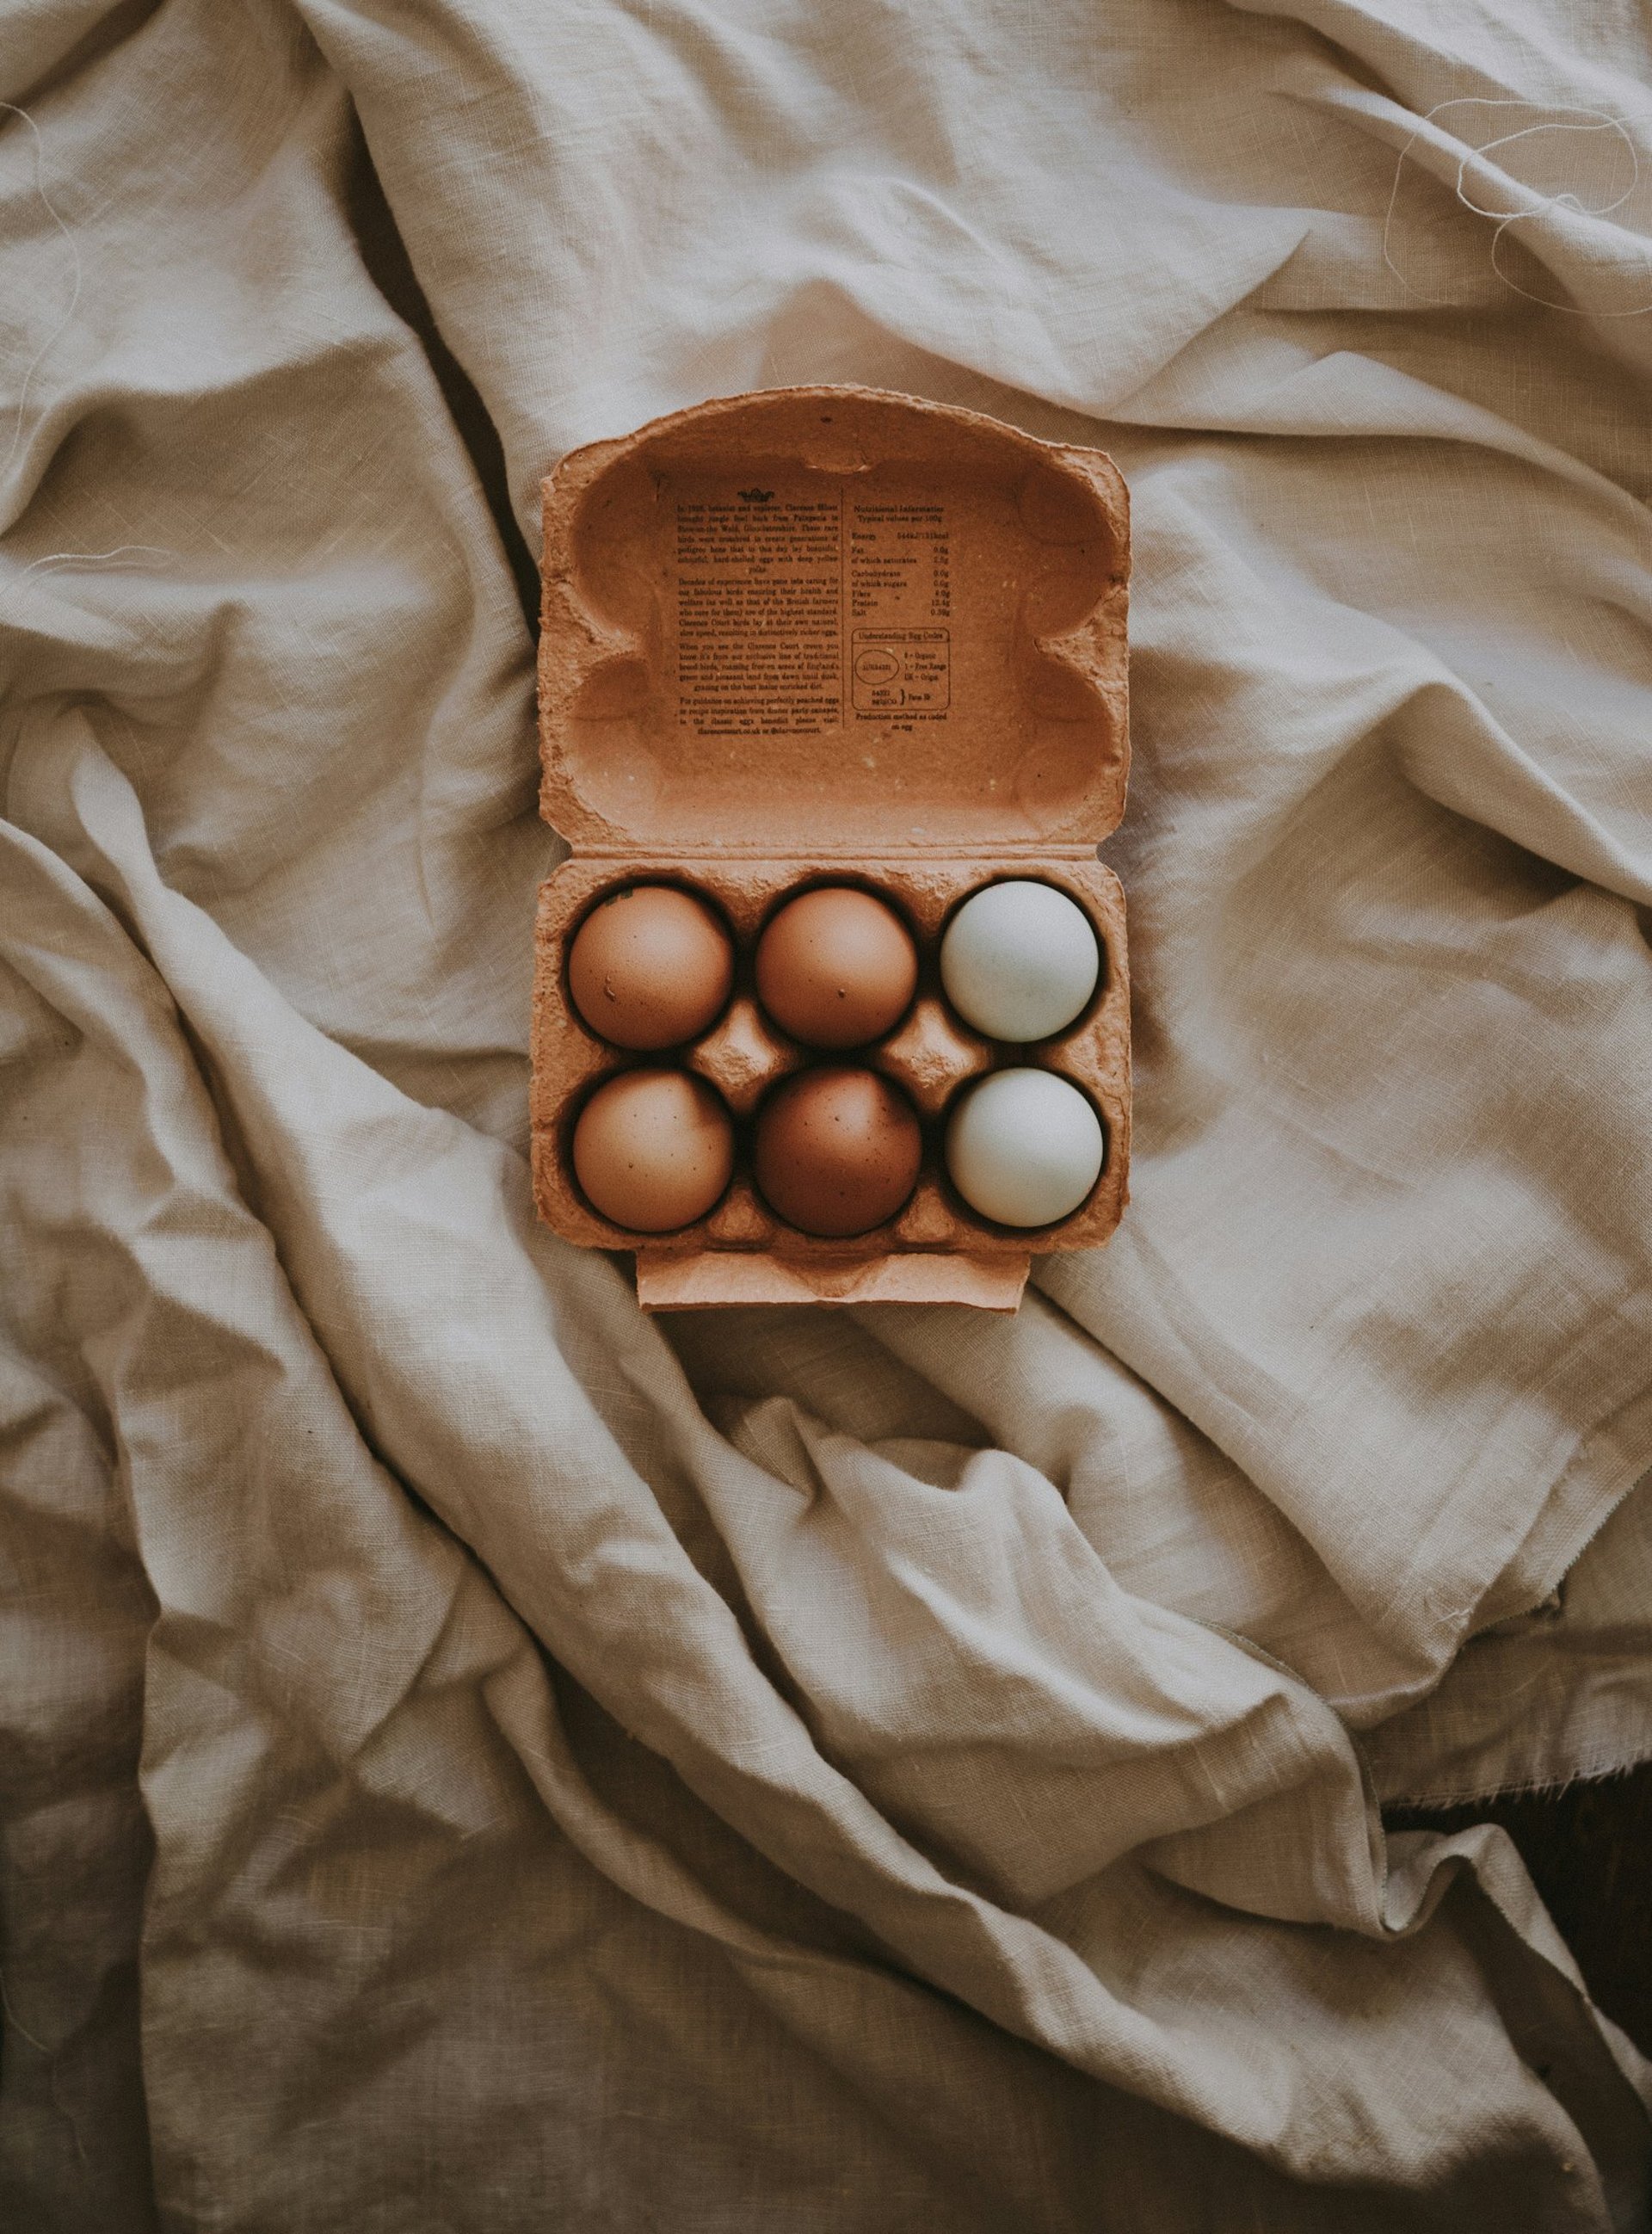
{"x": 931, "y": 1057}
{"x": 703, "y": 1279}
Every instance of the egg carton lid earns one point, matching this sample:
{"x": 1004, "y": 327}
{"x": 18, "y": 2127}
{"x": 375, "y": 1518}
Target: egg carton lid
{"x": 818, "y": 619}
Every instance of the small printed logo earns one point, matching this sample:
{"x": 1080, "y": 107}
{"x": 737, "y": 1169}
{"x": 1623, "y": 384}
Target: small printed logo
{"x": 753, "y": 496}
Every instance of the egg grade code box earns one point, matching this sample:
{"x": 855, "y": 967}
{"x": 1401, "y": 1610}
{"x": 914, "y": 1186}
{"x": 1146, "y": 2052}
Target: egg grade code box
{"x": 830, "y": 636}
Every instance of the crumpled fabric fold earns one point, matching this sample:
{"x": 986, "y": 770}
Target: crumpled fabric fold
{"x": 472, "y": 1757}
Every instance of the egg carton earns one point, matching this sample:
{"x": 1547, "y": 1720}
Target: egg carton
{"x": 931, "y": 1055}
{"x": 976, "y": 730}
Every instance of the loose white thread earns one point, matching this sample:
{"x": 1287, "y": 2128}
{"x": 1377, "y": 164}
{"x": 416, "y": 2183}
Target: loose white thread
{"x": 58, "y": 2104}
{"x": 57, "y": 562}
{"x": 1597, "y": 120}
{"x": 15, "y": 2022}
{"x": 95, "y": 558}
{"x": 52, "y": 338}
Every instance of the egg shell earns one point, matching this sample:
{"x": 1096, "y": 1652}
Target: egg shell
{"x": 837, "y": 1151}
{"x": 836, "y": 968}
{"x": 1019, "y": 961}
{"x": 650, "y": 967}
{"x": 1024, "y": 1147}
{"x": 654, "y": 1150}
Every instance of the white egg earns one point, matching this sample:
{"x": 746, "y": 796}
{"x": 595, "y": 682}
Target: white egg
{"x": 1024, "y": 1147}
{"x": 1019, "y": 961}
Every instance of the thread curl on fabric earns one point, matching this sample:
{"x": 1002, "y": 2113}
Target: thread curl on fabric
{"x": 1552, "y": 118}
{"x": 10, "y": 109}
{"x": 121, "y": 559}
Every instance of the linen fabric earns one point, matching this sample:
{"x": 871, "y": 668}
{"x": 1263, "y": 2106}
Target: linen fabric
{"x": 476, "y": 1760}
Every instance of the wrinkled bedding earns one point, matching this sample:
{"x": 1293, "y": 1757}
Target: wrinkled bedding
{"x": 475, "y": 1760}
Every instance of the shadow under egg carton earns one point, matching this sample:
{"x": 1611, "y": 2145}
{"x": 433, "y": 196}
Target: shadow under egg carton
{"x": 937, "y": 1249}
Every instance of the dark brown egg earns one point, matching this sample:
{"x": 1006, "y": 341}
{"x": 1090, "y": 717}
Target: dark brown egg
{"x": 650, "y": 967}
{"x": 836, "y": 968}
{"x": 653, "y": 1150}
{"x": 837, "y": 1150}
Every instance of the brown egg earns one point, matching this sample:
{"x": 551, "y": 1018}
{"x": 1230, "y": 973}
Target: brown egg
{"x": 837, "y": 1150}
{"x": 836, "y": 968}
{"x": 653, "y": 1150}
{"x": 650, "y": 967}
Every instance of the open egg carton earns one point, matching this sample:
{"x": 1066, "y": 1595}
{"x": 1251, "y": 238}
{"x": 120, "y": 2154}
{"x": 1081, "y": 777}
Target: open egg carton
{"x": 818, "y": 637}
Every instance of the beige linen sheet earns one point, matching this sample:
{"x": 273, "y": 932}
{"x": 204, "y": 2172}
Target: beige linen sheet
{"x": 474, "y": 1760}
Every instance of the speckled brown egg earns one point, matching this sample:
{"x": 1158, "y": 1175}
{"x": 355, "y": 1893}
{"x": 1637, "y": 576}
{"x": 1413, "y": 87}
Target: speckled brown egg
{"x": 836, "y": 968}
{"x": 653, "y": 1150}
{"x": 837, "y": 1150}
{"x": 650, "y": 967}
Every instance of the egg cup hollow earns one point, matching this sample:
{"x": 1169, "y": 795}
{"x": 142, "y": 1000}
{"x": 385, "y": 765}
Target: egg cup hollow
{"x": 880, "y": 995}
{"x": 662, "y": 1048}
{"x": 1029, "y": 1236}
{"x": 643, "y": 1230}
{"x": 877, "y": 1177}
{"x": 1033, "y": 876}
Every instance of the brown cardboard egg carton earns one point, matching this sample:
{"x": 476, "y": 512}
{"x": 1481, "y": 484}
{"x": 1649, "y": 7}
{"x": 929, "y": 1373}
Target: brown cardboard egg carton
{"x": 830, "y": 636}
